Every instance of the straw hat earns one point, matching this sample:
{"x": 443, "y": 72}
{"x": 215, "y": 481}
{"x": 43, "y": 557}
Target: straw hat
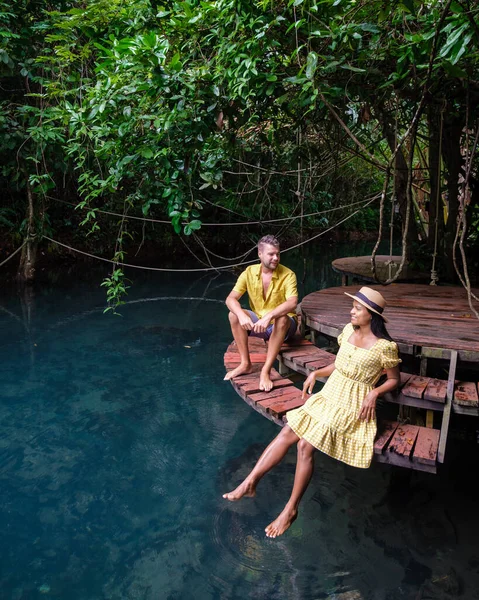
{"x": 371, "y": 299}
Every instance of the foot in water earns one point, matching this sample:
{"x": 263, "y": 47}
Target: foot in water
{"x": 244, "y": 489}
{"x": 282, "y": 523}
{"x": 265, "y": 383}
{"x": 242, "y": 369}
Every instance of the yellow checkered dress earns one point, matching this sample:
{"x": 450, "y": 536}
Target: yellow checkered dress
{"x": 329, "y": 420}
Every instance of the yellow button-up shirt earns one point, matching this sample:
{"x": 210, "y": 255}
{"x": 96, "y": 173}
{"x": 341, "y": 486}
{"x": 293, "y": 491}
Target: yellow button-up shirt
{"x": 283, "y": 286}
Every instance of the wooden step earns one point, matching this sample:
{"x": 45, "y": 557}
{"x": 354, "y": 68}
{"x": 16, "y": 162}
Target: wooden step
{"x": 407, "y": 446}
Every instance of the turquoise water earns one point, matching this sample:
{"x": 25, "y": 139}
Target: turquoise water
{"x": 119, "y": 437}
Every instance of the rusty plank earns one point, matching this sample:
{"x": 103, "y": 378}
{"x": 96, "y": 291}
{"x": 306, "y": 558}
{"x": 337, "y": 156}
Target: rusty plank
{"x": 436, "y": 390}
{"x": 386, "y": 430}
{"x": 465, "y": 393}
{"x": 403, "y": 440}
{"x": 415, "y": 386}
{"x": 427, "y": 443}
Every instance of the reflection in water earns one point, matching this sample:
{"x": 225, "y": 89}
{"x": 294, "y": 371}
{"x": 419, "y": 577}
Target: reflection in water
{"x": 119, "y": 437}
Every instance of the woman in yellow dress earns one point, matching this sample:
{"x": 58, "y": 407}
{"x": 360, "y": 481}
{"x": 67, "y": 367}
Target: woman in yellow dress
{"x": 340, "y": 420}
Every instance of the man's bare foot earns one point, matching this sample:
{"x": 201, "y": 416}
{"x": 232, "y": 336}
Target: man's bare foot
{"x": 265, "y": 383}
{"x": 282, "y": 523}
{"x": 242, "y": 369}
{"x": 244, "y": 489}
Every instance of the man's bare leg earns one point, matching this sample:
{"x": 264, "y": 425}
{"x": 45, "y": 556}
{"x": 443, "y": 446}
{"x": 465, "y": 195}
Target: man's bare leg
{"x": 270, "y": 457}
{"x": 241, "y": 338}
{"x": 302, "y": 477}
{"x": 280, "y": 329}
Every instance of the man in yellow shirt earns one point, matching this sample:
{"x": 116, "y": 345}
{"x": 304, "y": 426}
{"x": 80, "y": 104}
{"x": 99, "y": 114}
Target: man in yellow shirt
{"x": 273, "y": 296}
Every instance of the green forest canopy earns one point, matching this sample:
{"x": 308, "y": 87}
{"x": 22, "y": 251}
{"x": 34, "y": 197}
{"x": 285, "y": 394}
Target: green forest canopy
{"x": 179, "y": 110}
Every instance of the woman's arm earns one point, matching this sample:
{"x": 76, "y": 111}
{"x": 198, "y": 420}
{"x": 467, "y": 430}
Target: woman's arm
{"x": 368, "y": 408}
{"x": 311, "y": 379}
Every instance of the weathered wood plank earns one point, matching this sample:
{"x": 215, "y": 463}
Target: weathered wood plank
{"x": 447, "y": 407}
{"x": 465, "y": 393}
{"x": 404, "y": 378}
{"x": 253, "y": 387}
{"x": 403, "y": 440}
{"x": 427, "y": 443}
{"x": 278, "y": 409}
{"x": 307, "y": 351}
{"x": 386, "y": 430}
{"x": 415, "y": 386}
{"x": 436, "y": 390}
{"x": 267, "y": 397}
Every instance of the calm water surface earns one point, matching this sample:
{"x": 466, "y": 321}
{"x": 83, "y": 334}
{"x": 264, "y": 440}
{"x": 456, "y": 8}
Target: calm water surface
{"x": 119, "y": 437}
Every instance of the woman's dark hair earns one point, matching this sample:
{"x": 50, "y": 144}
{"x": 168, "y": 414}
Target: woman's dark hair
{"x": 378, "y": 327}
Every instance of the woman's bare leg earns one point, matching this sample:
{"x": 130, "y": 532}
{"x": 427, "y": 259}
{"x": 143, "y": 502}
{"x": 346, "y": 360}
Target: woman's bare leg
{"x": 302, "y": 477}
{"x": 270, "y": 457}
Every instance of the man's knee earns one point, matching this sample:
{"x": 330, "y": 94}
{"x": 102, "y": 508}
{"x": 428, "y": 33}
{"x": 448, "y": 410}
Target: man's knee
{"x": 283, "y": 323}
{"x": 233, "y": 318}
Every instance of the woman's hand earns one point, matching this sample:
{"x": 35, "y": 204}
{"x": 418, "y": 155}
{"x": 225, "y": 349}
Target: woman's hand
{"x": 309, "y": 385}
{"x": 368, "y": 409}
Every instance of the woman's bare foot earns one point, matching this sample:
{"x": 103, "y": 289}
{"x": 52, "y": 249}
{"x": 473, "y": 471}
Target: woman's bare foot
{"x": 244, "y": 489}
{"x": 282, "y": 523}
{"x": 265, "y": 383}
{"x": 242, "y": 369}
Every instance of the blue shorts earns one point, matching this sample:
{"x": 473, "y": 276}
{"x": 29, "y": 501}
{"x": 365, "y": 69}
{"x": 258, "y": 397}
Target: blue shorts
{"x": 293, "y": 325}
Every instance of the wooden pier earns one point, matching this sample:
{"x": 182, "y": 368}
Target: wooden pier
{"x": 358, "y": 268}
{"x": 423, "y": 320}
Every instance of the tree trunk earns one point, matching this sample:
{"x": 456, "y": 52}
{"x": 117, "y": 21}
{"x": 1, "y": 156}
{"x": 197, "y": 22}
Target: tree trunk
{"x": 26, "y": 268}
{"x": 400, "y": 179}
{"x": 451, "y": 153}
{"x": 435, "y": 201}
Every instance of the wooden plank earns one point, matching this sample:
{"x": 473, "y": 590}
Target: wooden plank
{"x": 253, "y": 387}
{"x": 447, "y": 407}
{"x": 278, "y": 409}
{"x": 436, "y": 390}
{"x": 296, "y": 342}
{"x": 399, "y": 461}
{"x": 465, "y": 393}
{"x": 425, "y": 450}
{"x": 415, "y": 386}
{"x": 320, "y": 356}
{"x": 399, "y": 398}
{"x": 403, "y": 440}
{"x": 404, "y": 378}
{"x": 386, "y": 430}
{"x": 313, "y": 365}
{"x": 296, "y": 352}
{"x": 274, "y": 393}
{"x": 250, "y": 377}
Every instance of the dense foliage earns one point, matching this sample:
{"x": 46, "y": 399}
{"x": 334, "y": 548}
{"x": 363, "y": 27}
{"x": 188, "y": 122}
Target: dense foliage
{"x": 266, "y": 109}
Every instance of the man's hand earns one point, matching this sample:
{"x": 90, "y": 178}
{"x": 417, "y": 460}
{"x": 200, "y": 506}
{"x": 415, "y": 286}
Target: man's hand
{"x": 245, "y": 321}
{"x": 368, "y": 409}
{"x": 309, "y": 385}
{"x": 261, "y": 325}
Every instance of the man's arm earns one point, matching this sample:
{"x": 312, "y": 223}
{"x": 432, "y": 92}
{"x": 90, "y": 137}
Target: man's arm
{"x": 282, "y": 309}
{"x": 232, "y": 302}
